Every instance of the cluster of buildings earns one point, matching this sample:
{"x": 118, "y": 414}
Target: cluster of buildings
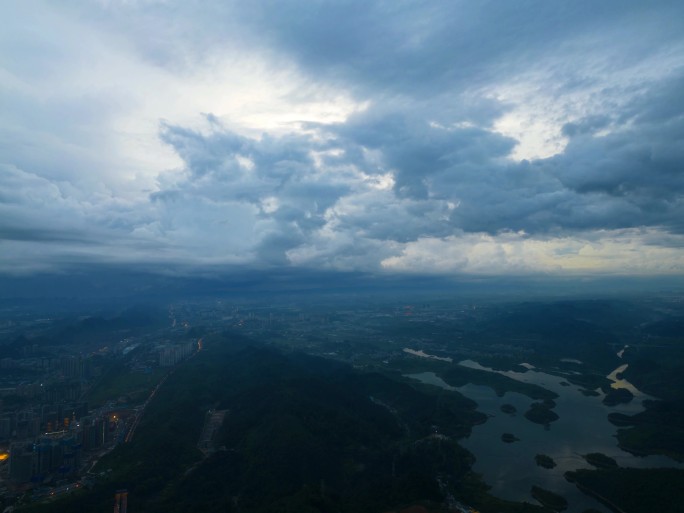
{"x": 35, "y": 420}
{"x": 46, "y": 429}
{"x": 48, "y": 436}
{"x": 35, "y": 461}
{"x": 171, "y": 354}
{"x": 58, "y": 454}
{"x": 64, "y": 377}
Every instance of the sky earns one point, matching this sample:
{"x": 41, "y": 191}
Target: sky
{"x": 393, "y": 137}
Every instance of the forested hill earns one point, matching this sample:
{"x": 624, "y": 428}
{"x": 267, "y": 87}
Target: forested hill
{"x": 300, "y": 434}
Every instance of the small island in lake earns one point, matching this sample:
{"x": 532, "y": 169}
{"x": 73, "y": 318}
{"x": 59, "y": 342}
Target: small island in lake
{"x": 541, "y": 413}
{"x": 508, "y": 408}
{"x": 544, "y": 461}
{"x": 599, "y": 460}
{"x": 549, "y": 499}
{"x": 616, "y": 396}
{"x": 509, "y": 438}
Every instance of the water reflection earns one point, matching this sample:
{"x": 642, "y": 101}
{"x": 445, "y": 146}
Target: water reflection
{"x": 583, "y": 427}
{"x": 423, "y": 354}
{"x": 618, "y": 383}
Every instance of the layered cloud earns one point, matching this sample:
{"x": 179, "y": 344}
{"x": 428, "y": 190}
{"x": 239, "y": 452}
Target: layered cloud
{"x": 387, "y": 137}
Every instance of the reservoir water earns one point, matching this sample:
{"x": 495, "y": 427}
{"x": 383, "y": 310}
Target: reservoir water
{"x": 583, "y": 427}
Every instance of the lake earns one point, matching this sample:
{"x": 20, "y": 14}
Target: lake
{"x": 583, "y": 427}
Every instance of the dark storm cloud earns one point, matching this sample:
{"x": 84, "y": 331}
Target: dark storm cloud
{"x": 277, "y": 176}
{"x": 430, "y": 101}
{"x": 248, "y": 169}
{"x": 420, "y": 47}
{"x": 32, "y": 234}
{"x": 449, "y": 179}
{"x": 638, "y": 165}
{"x": 628, "y": 178}
{"x": 416, "y": 149}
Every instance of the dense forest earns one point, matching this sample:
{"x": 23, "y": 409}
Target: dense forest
{"x": 300, "y": 434}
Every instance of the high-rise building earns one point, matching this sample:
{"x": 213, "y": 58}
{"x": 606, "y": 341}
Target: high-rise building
{"x": 171, "y": 354}
{"x": 121, "y": 501}
{"x": 21, "y": 461}
{"x": 7, "y": 422}
{"x": 93, "y": 432}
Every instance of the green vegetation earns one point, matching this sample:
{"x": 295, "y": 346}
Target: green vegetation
{"x": 302, "y": 434}
{"x": 541, "y": 413}
{"x": 633, "y": 490}
{"x": 620, "y": 419}
{"x": 473, "y": 492}
{"x": 313, "y": 435}
{"x": 662, "y": 378}
{"x": 544, "y": 461}
{"x": 657, "y": 430}
{"x": 416, "y": 364}
{"x": 615, "y": 396}
{"x": 501, "y": 363}
{"x": 563, "y": 329}
{"x": 119, "y": 382}
{"x": 549, "y": 499}
{"x": 599, "y": 460}
{"x": 458, "y": 375}
{"x": 655, "y": 367}
{"x": 590, "y": 393}
{"x": 509, "y": 438}
{"x": 509, "y": 409}
{"x": 95, "y": 331}
{"x": 589, "y": 381}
